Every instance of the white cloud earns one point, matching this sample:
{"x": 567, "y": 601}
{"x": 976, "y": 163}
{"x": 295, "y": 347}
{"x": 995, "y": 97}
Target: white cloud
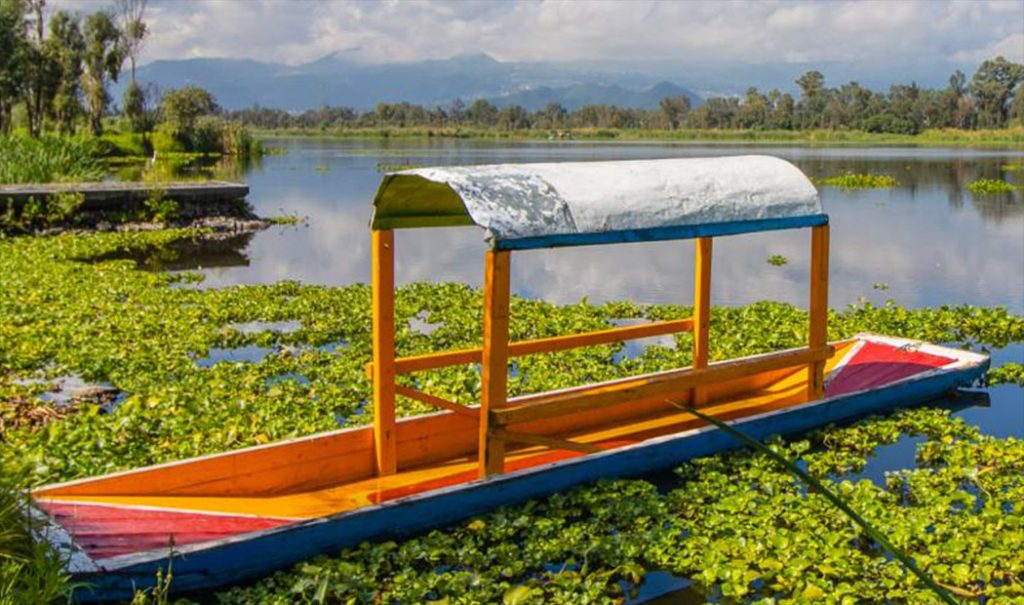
{"x": 1011, "y": 47}
{"x": 296, "y": 31}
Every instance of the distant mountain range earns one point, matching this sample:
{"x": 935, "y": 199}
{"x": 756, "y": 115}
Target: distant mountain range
{"x": 336, "y": 80}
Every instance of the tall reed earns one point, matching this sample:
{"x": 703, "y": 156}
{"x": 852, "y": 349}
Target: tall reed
{"x": 50, "y": 159}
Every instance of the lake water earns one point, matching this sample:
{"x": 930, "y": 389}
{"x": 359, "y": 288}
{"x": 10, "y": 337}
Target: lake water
{"x": 929, "y": 241}
{"x": 926, "y": 242}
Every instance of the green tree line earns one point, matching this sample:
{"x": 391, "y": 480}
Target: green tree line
{"x": 55, "y": 74}
{"x": 992, "y": 98}
{"x": 57, "y": 68}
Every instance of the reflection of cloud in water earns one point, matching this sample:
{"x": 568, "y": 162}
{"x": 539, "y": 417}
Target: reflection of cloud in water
{"x": 928, "y": 250}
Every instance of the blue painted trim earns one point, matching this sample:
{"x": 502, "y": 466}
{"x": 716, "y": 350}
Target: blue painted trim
{"x": 656, "y": 234}
{"x": 250, "y": 557}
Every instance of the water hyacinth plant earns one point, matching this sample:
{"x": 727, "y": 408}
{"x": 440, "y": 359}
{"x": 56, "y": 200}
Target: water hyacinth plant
{"x": 850, "y": 180}
{"x": 736, "y": 524}
{"x": 990, "y": 187}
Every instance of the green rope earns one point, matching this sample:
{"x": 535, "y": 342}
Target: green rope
{"x": 869, "y": 529}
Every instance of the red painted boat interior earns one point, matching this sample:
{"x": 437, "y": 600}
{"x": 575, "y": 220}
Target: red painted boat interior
{"x": 876, "y": 365}
{"x": 107, "y": 531}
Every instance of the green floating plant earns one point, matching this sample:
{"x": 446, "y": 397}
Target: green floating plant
{"x": 851, "y": 180}
{"x": 828, "y": 494}
{"x": 209, "y": 370}
{"x": 990, "y": 187}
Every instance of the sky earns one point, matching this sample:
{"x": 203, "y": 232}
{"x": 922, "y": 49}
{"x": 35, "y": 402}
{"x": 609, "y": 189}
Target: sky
{"x": 872, "y": 31}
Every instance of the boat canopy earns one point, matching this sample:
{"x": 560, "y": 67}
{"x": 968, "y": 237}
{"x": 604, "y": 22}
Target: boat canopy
{"x": 525, "y": 206}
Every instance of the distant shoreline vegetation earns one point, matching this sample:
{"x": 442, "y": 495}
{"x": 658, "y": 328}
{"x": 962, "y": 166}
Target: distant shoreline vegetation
{"x": 991, "y": 101}
{"x": 1007, "y": 137}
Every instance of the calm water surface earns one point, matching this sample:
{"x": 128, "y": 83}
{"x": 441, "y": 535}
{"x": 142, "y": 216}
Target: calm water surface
{"x": 926, "y": 242}
{"x": 929, "y": 241}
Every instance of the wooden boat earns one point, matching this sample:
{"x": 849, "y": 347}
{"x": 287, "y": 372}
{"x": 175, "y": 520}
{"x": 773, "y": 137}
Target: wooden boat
{"x": 232, "y": 517}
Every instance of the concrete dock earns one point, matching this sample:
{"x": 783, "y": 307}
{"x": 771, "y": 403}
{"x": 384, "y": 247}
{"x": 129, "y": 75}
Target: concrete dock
{"x": 111, "y": 195}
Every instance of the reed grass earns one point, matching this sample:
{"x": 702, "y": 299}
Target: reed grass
{"x": 30, "y": 571}
{"x": 50, "y": 159}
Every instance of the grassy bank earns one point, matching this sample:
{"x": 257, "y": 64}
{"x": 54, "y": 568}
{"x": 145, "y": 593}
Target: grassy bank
{"x": 75, "y": 306}
{"x": 1011, "y": 137}
{"x": 50, "y": 159}
{"x": 73, "y": 159}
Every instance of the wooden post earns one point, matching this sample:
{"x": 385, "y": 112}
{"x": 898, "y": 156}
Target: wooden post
{"x": 818, "y": 309}
{"x": 494, "y": 358}
{"x": 385, "y": 450}
{"x": 701, "y": 313}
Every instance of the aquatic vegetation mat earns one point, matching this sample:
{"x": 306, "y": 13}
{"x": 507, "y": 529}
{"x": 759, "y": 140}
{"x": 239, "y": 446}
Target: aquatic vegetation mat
{"x": 990, "y": 187}
{"x": 850, "y": 180}
{"x": 80, "y": 305}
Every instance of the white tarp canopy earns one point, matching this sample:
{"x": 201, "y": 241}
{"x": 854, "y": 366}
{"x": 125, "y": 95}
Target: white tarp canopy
{"x": 575, "y": 203}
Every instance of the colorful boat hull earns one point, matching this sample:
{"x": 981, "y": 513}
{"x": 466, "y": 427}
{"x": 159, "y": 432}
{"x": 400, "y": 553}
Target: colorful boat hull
{"x": 250, "y": 546}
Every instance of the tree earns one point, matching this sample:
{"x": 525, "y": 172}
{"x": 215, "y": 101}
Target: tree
{"x": 65, "y": 48}
{"x": 103, "y": 60}
{"x": 674, "y": 110}
{"x": 904, "y": 107}
{"x": 182, "y": 107}
{"x": 13, "y": 49}
{"x": 513, "y": 117}
{"x": 813, "y": 99}
{"x": 993, "y": 86}
{"x": 482, "y": 113}
{"x": 552, "y": 116}
{"x": 1017, "y": 108}
{"x": 457, "y": 111}
{"x": 131, "y": 21}
{"x": 38, "y": 68}
{"x": 754, "y": 112}
{"x": 783, "y": 109}
{"x": 716, "y": 112}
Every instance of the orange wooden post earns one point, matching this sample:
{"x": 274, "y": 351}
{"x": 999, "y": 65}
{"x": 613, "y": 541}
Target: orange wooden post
{"x": 818, "y": 309}
{"x": 701, "y": 313}
{"x": 384, "y": 352}
{"x": 494, "y": 359}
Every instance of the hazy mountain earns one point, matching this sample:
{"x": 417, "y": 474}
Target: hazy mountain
{"x": 337, "y": 80}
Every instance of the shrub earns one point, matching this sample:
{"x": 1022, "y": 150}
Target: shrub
{"x": 238, "y": 141}
{"x": 207, "y": 136}
{"x": 159, "y": 207}
{"x": 890, "y": 123}
{"x": 164, "y": 141}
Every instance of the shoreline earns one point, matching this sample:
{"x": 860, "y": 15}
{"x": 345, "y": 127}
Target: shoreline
{"x": 1008, "y": 139}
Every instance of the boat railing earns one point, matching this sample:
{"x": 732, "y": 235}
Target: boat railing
{"x": 497, "y": 412}
{"x": 431, "y": 361}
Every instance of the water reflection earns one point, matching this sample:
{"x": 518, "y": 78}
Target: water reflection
{"x": 188, "y": 255}
{"x": 226, "y": 168}
{"x": 929, "y": 238}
